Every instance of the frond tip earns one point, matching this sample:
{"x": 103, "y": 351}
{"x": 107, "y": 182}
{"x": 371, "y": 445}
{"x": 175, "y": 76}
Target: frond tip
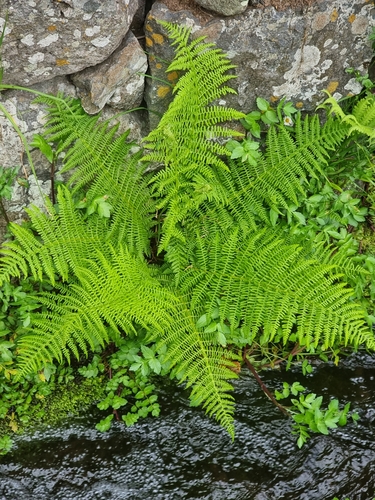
{"x": 202, "y": 364}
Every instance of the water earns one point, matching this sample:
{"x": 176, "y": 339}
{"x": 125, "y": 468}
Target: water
{"x": 184, "y": 455}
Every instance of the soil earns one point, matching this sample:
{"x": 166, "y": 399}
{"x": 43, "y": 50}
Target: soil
{"x": 176, "y": 5}
{"x": 288, "y": 4}
{"x": 198, "y": 11}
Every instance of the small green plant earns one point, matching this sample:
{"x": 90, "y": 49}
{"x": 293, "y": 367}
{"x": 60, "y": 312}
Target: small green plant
{"x": 6, "y": 444}
{"x": 248, "y": 149}
{"x": 268, "y": 115}
{"x": 364, "y": 80}
{"x": 7, "y": 178}
{"x": 99, "y": 205}
{"x": 129, "y": 391}
{"x": 308, "y": 414}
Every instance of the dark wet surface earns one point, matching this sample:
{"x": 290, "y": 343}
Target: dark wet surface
{"x": 182, "y": 454}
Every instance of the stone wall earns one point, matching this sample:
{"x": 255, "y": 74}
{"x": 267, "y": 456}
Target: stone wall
{"x": 100, "y": 51}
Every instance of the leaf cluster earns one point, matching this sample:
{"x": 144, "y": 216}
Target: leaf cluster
{"x": 308, "y": 413}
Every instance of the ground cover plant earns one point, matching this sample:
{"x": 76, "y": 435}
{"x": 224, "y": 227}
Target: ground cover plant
{"x": 195, "y": 254}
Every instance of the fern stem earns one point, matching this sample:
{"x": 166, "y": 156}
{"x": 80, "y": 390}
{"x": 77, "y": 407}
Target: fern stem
{"x": 35, "y": 92}
{"x": 25, "y": 144}
{"x": 2, "y": 209}
{"x": 262, "y": 384}
{"x": 296, "y": 350}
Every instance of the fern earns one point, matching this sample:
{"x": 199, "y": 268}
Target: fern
{"x": 202, "y": 364}
{"x": 361, "y": 120}
{"x": 248, "y": 192}
{"x": 119, "y": 290}
{"x": 265, "y": 283}
{"x": 113, "y": 289}
{"x": 61, "y": 241}
{"x": 214, "y": 235}
{"x": 186, "y": 141}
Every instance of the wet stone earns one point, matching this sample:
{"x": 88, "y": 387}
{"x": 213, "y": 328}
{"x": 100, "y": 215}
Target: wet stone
{"x": 183, "y": 454}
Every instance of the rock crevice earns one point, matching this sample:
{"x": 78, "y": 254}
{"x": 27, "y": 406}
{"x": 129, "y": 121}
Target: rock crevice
{"x": 101, "y": 50}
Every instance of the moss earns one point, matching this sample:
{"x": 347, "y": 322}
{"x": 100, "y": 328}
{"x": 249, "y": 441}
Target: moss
{"x": 366, "y": 235}
{"x": 63, "y": 402}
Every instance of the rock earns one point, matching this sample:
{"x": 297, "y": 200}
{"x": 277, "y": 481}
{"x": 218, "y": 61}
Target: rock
{"x": 296, "y": 53}
{"x": 136, "y": 122}
{"x": 224, "y": 7}
{"x": 48, "y": 38}
{"x": 291, "y": 48}
{"x": 30, "y": 118}
{"x": 119, "y": 81}
{"x": 139, "y": 18}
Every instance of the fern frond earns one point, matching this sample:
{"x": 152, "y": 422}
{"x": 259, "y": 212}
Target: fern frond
{"x": 361, "y": 120}
{"x": 278, "y": 177}
{"x": 58, "y": 244}
{"x": 364, "y": 115}
{"x": 264, "y": 283}
{"x": 187, "y": 140}
{"x": 202, "y": 364}
{"x": 243, "y": 194}
{"x": 114, "y": 289}
{"x": 103, "y": 164}
{"x": 119, "y": 290}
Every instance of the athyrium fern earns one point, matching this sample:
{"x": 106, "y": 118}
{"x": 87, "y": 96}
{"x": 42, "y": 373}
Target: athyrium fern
{"x": 103, "y": 163}
{"x": 220, "y": 251}
{"x": 186, "y": 140}
{"x": 362, "y": 118}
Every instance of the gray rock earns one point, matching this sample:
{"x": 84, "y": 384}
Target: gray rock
{"x": 48, "y": 38}
{"x": 30, "y": 117}
{"x": 136, "y": 122}
{"x": 118, "y": 81}
{"x": 139, "y": 18}
{"x": 293, "y": 53}
{"x": 224, "y": 7}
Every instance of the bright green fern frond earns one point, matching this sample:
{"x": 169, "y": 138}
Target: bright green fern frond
{"x": 243, "y": 194}
{"x": 23, "y": 255}
{"x": 104, "y": 164}
{"x": 186, "y": 140}
{"x": 67, "y": 326}
{"x": 114, "y": 289}
{"x": 362, "y": 120}
{"x": 180, "y": 35}
{"x": 71, "y": 109}
{"x": 364, "y": 117}
{"x": 364, "y": 111}
{"x": 277, "y": 178}
{"x": 202, "y": 364}
{"x": 58, "y": 243}
{"x": 264, "y": 283}
{"x": 117, "y": 289}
